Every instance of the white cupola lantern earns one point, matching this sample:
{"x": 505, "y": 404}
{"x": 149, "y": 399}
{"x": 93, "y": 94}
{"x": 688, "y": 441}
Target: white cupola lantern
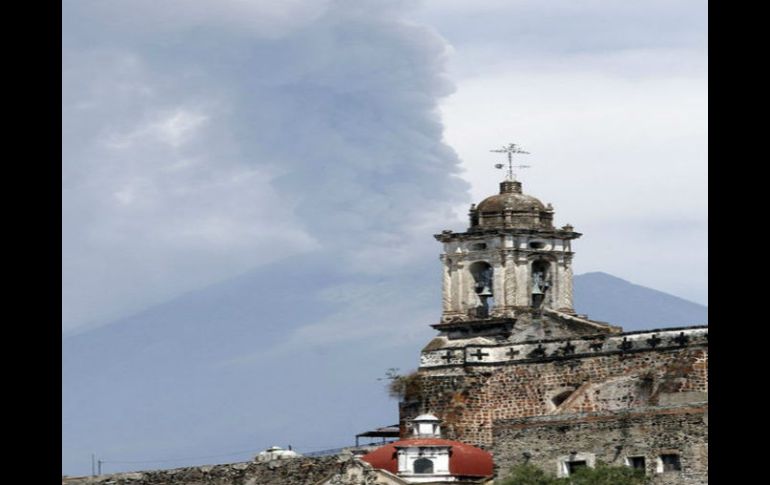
{"x": 426, "y": 426}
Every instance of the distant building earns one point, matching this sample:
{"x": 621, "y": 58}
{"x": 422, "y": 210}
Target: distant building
{"x": 276, "y": 453}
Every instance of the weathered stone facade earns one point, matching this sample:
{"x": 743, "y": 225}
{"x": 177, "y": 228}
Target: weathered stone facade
{"x": 516, "y": 370}
{"x": 641, "y": 435}
{"x": 511, "y": 239}
{"x": 470, "y": 394}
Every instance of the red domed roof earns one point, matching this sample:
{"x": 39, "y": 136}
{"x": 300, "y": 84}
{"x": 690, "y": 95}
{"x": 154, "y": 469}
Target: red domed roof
{"x": 464, "y": 460}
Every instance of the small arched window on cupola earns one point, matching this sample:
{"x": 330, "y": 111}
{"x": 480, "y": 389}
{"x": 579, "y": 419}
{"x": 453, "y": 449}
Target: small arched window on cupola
{"x": 423, "y": 465}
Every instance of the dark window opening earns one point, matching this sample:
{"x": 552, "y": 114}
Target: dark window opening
{"x": 637, "y": 462}
{"x": 671, "y": 462}
{"x": 573, "y": 466}
{"x": 537, "y": 245}
{"x": 561, "y": 397}
{"x": 479, "y": 246}
{"x": 423, "y": 465}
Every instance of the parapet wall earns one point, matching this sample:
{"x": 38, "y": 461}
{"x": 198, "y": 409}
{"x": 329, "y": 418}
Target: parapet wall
{"x": 295, "y": 471}
{"x": 561, "y": 348}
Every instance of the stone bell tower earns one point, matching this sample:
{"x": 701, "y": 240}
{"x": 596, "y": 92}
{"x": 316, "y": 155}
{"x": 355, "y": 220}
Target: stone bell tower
{"x": 512, "y": 359}
{"x": 510, "y": 260}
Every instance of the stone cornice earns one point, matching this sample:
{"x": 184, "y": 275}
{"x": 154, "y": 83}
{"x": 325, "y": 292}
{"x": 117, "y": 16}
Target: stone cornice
{"x": 544, "y": 233}
{"x": 478, "y": 323}
{"x": 507, "y": 252}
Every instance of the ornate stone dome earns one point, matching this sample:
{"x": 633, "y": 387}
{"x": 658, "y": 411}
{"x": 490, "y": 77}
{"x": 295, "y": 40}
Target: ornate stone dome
{"x": 510, "y": 209}
{"x": 510, "y": 198}
{"x": 464, "y": 460}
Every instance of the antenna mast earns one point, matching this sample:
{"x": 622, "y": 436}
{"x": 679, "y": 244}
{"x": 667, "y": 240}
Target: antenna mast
{"x": 510, "y": 150}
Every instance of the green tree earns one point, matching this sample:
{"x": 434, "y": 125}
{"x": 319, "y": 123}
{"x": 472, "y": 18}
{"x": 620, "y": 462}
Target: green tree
{"x": 528, "y": 474}
{"x": 602, "y": 474}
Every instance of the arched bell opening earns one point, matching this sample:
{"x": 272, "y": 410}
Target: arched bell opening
{"x": 541, "y": 282}
{"x": 482, "y": 273}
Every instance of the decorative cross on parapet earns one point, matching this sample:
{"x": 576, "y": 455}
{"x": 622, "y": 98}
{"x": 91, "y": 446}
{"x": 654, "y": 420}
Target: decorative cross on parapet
{"x": 626, "y": 345}
{"x": 448, "y": 356}
{"x": 479, "y": 354}
{"x": 654, "y": 341}
{"x": 538, "y": 352}
{"x": 510, "y": 150}
{"x": 568, "y": 349}
{"x": 512, "y": 353}
{"x": 681, "y": 339}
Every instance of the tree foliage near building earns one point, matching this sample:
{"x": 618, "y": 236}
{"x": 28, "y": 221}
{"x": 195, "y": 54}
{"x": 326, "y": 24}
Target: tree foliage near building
{"x": 403, "y": 385}
{"x": 528, "y": 474}
{"x": 602, "y": 474}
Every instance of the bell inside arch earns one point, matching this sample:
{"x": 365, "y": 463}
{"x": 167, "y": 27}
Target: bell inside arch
{"x": 482, "y": 277}
{"x": 540, "y": 283}
{"x": 483, "y": 290}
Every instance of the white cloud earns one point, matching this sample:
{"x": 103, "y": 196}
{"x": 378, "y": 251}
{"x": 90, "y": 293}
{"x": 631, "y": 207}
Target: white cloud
{"x": 610, "y": 98}
{"x": 196, "y": 135}
{"x": 199, "y": 148}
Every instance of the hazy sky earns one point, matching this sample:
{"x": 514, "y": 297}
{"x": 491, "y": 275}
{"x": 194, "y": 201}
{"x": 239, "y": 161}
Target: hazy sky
{"x": 202, "y": 139}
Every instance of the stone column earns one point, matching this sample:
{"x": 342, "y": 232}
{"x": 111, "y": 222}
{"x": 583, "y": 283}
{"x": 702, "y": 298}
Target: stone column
{"x": 509, "y": 295}
{"x": 446, "y": 285}
{"x": 498, "y": 286}
{"x": 567, "y": 298}
{"x": 522, "y": 283}
{"x": 454, "y": 277}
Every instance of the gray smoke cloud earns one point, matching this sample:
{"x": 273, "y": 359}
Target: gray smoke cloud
{"x": 202, "y": 139}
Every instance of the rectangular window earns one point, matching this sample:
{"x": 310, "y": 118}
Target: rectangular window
{"x": 573, "y": 466}
{"x": 670, "y": 462}
{"x": 637, "y": 462}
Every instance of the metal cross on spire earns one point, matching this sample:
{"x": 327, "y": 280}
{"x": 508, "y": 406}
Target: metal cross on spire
{"x": 510, "y": 150}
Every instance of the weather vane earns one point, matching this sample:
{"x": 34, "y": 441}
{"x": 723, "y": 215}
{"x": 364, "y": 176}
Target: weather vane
{"x": 510, "y": 150}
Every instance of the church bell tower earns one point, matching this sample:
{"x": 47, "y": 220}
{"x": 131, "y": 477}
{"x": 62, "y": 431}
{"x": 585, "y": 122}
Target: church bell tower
{"x": 510, "y": 260}
{"x": 508, "y": 277}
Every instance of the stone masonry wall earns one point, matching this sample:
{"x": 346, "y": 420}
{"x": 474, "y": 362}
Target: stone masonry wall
{"x": 296, "y": 471}
{"x": 610, "y": 437}
{"x": 469, "y": 398}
